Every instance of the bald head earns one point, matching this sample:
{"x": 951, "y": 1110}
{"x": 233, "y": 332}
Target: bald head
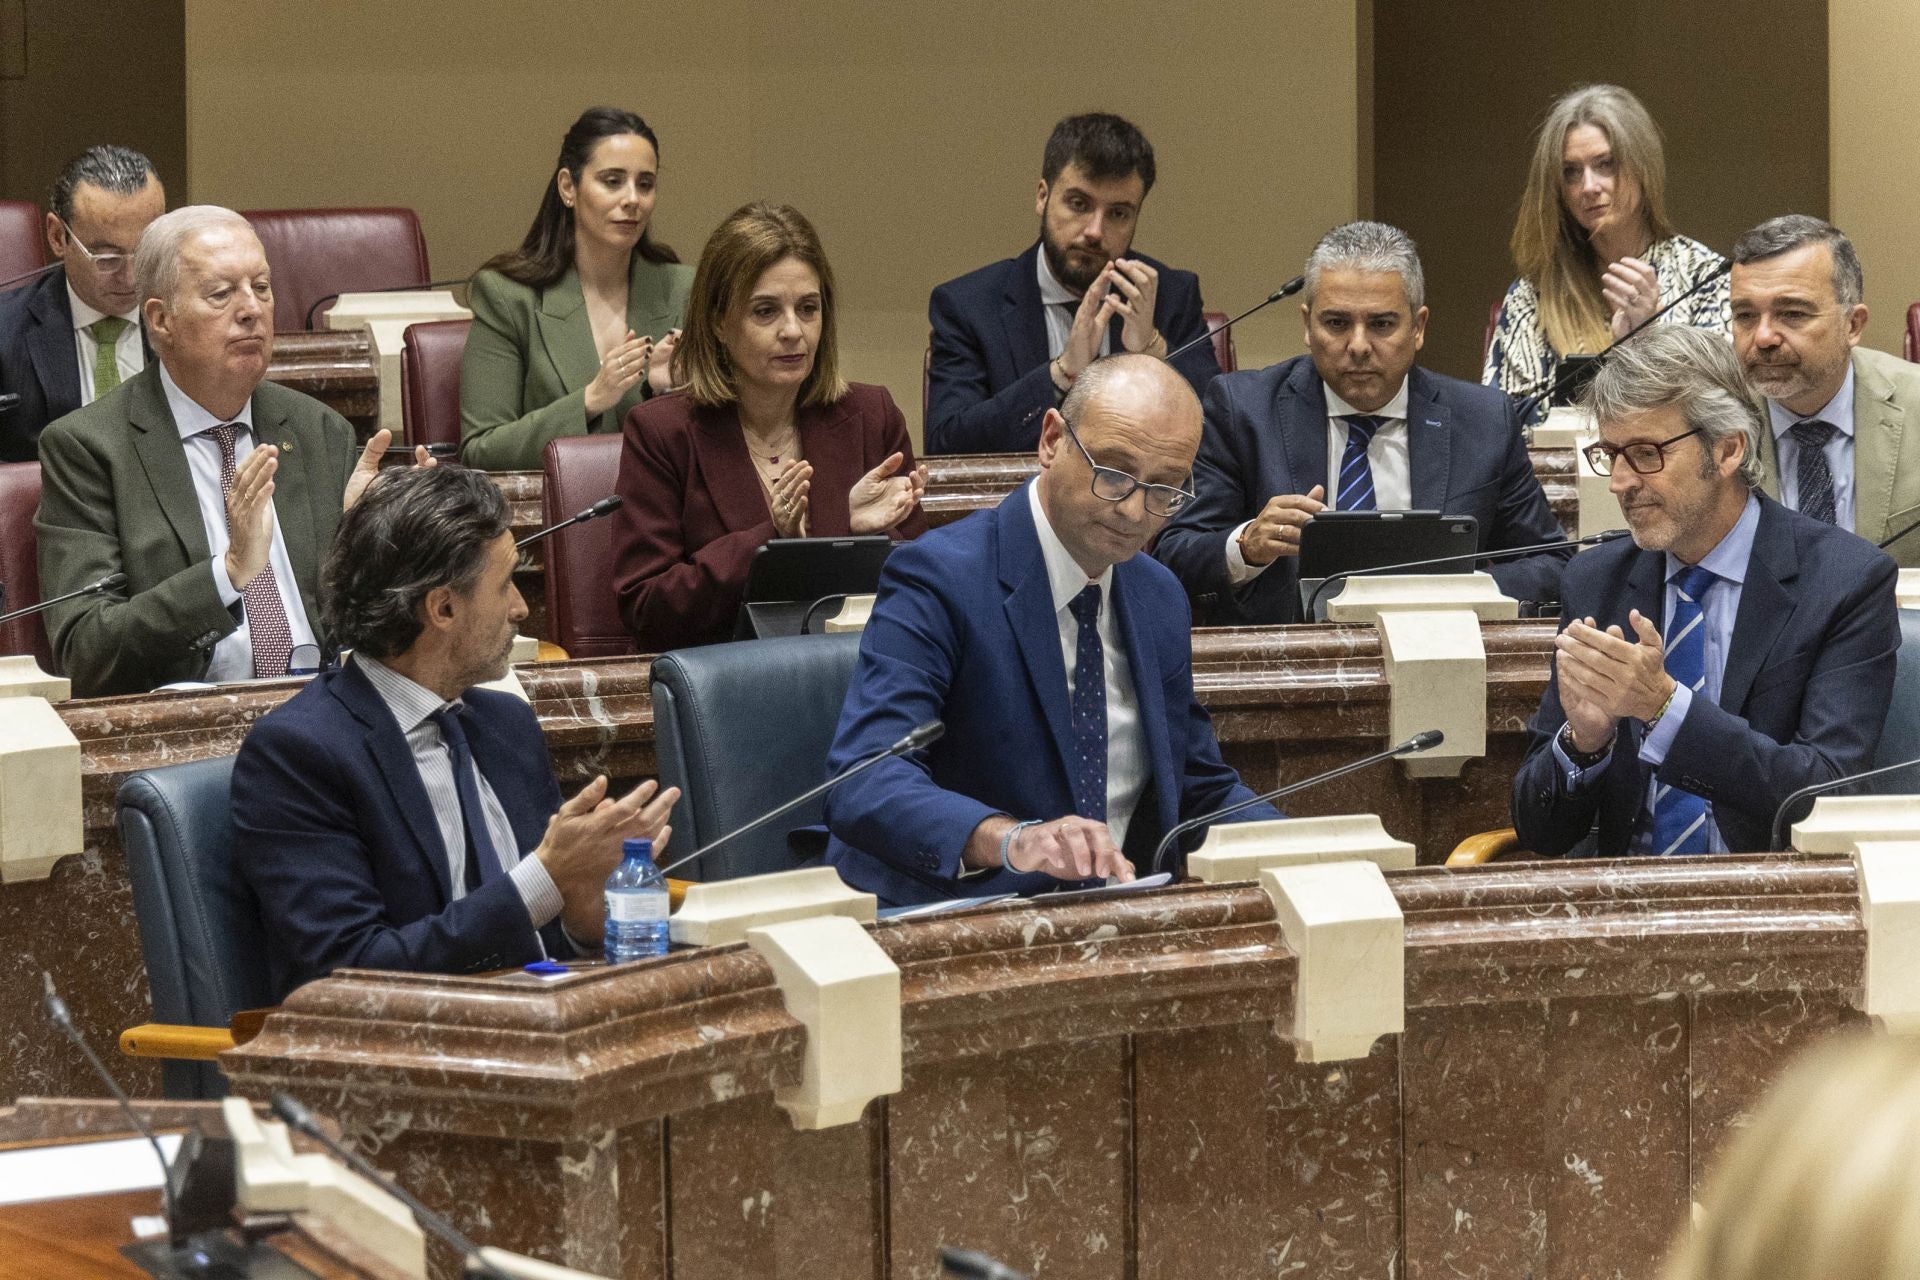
{"x": 1131, "y": 414}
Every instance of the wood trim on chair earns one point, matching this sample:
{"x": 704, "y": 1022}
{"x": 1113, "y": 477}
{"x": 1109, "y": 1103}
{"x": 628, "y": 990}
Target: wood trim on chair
{"x": 1484, "y": 847}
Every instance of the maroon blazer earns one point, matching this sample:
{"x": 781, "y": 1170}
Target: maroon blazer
{"x": 693, "y": 512}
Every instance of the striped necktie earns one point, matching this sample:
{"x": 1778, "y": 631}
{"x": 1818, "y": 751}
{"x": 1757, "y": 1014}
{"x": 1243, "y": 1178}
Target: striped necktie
{"x": 1356, "y": 473}
{"x": 1680, "y": 817}
{"x": 1814, "y": 475}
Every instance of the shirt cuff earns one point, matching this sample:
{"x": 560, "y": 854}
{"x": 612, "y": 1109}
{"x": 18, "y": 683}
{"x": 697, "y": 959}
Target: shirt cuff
{"x": 229, "y": 596}
{"x": 1653, "y": 748}
{"x": 1577, "y": 777}
{"x": 537, "y": 890}
{"x": 1239, "y": 572}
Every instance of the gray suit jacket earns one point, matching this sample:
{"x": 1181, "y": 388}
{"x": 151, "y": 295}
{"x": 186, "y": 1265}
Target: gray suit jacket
{"x": 116, "y": 496}
{"x": 1886, "y": 452}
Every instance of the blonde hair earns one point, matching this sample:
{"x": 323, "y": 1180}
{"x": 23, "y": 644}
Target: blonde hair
{"x": 753, "y": 238}
{"x": 1549, "y": 245}
{"x": 1823, "y": 1184}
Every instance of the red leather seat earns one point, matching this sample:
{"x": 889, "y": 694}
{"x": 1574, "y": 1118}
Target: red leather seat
{"x": 1910, "y": 344}
{"x": 23, "y": 245}
{"x": 19, "y": 498}
{"x": 430, "y": 380}
{"x": 581, "y": 609}
{"x": 315, "y": 253}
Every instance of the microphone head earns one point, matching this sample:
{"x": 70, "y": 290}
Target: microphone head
{"x": 605, "y": 507}
{"x": 1288, "y": 289}
{"x": 1608, "y": 535}
{"x": 288, "y": 1108}
{"x": 923, "y": 736}
{"x": 56, "y": 1007}
{"x": 112, "y": 582}
{"x": 1425, "y": 741}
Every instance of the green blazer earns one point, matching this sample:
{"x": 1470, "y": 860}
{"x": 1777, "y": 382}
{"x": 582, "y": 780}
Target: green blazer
{"x": 1886, "y": 452}
{"x": 116, "y": 496}
{"x": 530, "y": 356}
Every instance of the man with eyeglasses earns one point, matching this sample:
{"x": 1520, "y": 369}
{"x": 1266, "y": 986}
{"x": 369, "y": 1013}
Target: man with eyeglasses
{"x": 72, "y": 334}
{"x": 1354, "y": 425}
{"x": 1731, "y": 653}
{"x": 1059, "y": 658}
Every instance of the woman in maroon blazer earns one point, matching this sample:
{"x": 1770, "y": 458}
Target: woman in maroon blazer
{"x": 765, "y": 439}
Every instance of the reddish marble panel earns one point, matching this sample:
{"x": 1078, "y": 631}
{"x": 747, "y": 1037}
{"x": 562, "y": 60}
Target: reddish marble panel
{"x": 644, "y": 1253}
{"x": 1024, "y": 1156}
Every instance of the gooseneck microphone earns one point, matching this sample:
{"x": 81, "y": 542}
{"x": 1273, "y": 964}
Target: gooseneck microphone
{"x": 1424, "y": 741}
{"x": 965, "y": 1264}
{"x": 9, "y": 401}
{"x": 1471, "y": 557}
{"x": 296, "y": 1116}
{"x": 1286, "y": 290}
{"x": 924, "y": 735}
{"x": 1821, "y": 788}
{"x": 25, "y": 276}
{"x": 605, "y": 507}
{"x": 324, "y": 299}
{"x": 1882, "y": 545}
{"x": 59, "y": 1015}
{"x": 112, "y": 582}
{"x": 1536, "y": 392}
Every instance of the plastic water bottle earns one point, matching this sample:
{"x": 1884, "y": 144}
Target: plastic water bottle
{"x": 636, "y": 906}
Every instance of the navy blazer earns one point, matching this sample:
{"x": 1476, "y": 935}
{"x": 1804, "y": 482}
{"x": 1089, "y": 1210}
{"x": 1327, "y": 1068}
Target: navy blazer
{"x": 987, "y": 379}
{"x": 37, "y": 363}
{"x": 964, "y": 631}
{"x": 334, "y": 833}
{"x": 1804, "y": 696}
{"x": 1266, "y": 435}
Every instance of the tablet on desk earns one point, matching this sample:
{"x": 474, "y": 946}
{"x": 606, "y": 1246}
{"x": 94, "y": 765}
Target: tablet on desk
{"x": 788, "y": 576}
{"x": 1343, "y": 542}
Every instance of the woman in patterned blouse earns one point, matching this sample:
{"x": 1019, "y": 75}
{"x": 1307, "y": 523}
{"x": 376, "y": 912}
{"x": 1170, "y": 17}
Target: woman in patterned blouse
{"x": 1593, "y": 245}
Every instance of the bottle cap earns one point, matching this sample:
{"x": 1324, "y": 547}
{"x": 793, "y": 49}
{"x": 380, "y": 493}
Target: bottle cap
{"x": 638, "y": 847}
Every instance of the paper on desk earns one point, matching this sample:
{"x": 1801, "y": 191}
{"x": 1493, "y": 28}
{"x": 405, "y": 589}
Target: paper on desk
{"x": 82, "y": 1169}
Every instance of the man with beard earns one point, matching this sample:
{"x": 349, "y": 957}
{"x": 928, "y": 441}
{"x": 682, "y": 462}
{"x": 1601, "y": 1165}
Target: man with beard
{"x": 391, "y": 815}
{"x": 1010, "y": 338}
{"x": 1731, "y": 653}
{"x": 1839, "y": 446}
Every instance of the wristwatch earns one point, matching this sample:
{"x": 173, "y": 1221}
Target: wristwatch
{"x": 1583, "y": 760}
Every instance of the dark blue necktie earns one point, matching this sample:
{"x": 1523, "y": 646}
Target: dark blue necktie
{"x": 1356, "y": 473}
{"x": 483, "y": 861}
{"x": 1814, "y": 475}
{"x": 1089, "y": 764}
{"x": 1680, "y": 817}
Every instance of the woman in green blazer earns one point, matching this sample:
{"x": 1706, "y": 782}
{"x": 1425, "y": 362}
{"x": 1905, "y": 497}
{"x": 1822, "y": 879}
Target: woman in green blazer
{"x": 578, "y": 325}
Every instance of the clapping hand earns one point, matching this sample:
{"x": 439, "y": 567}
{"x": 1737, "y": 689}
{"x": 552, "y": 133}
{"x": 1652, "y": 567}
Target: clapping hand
{"x": 880, "y": 499}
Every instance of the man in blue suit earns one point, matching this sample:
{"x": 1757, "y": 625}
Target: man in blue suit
{"x": 1352, "y": 426}
{"x": 391, "y": 815}
{"x": 1059, "y": 658}
{"x": 1010, "y": 338}
{"x": 1732, "y": 653}
{"x": 74, "y": 333}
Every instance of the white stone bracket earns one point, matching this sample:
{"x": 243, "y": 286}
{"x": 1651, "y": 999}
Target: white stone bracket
{"x": 1906, "y": 589}
{"x": 1237, "y": 851}
{"x": 1840, "y": 824}
{"x": 1436, "y": 661}
{"x": 40, "y": 820}
{"x": 722, "y": 911}
{"x": 845, "y": 990}
{"x": 1344, "y": 926}
{"x": 385, "y": 317}
{"x": 1889, "y": 874}
{"x": 854, "y": 613}
{"x": 21, "y": 677}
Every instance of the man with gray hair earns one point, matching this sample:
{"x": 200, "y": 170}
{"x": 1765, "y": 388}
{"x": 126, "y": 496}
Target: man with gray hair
{"x": 1731, "y": 653}
{"x": 73, "y": 333}
{"x": 211, "y": 489}
{"x": 1354, "y": 425}
{"x": 1843, "y": 438}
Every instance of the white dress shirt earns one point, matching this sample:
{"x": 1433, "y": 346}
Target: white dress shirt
{"x": 1386, "y": 455}
{"x": 233, "y": 656}
{"x": 1838, "y": 414}
{"x": 1059, "y": 303}
{"x": 1126, "y": 740}
{"x": 413, "y": 706}
{"x": 128, "y": 352}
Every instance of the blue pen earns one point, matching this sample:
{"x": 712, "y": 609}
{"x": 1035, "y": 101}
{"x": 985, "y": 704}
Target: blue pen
{"x": 546, "y": 968}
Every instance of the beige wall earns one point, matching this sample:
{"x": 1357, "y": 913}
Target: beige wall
{"x": 910, "y": 134}
{"x": 1875, "y": 45}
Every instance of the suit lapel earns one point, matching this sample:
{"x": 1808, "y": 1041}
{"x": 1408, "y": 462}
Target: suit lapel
{"x": 566, "y": 334}
{"x": 1429, "y": 446}
{"x": 1301, "y": 411}
{"x": 388, "y": 747}
{"x": 156, "y": 442}
{"x": 827, "y": 443}
{"x": 1766, "y": 605}
{"x": 1024, "y": 319}
{"x": 1031, "y": 615}
{"x": 50, "y": 346}
{"x": 727, "y": 469}
{"x": 1143, "y": 662}
{"x": 649, "y": 301}
{"x": 1879, "y": 429}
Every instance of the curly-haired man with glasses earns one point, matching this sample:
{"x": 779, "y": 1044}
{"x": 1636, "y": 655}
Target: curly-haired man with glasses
{"x": 1731, "y": 653}
{"x": 1059, "y": 657}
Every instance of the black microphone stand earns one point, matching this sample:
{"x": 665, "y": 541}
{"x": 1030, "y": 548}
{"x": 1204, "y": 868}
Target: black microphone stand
{"x": 606, "y": 506}
{"x": 111, "y": 582}
{"x": 1286, "y": 290}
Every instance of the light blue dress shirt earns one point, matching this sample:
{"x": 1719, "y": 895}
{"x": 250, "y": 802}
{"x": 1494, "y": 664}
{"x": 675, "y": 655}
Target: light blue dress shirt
{"x": 1837, "y": 414}
{"x": 1728, "y": 563}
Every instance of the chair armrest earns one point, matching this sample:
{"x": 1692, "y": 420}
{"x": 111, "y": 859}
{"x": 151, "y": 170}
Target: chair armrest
{"x": 1484, "y": 847}
{"x": 170, "y": 1040}
{"x": 551, "y": 652}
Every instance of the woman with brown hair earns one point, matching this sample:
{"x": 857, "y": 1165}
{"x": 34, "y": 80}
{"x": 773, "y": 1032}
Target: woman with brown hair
{"x": 1595, "y": 251}
{"x": 765, "y": 439}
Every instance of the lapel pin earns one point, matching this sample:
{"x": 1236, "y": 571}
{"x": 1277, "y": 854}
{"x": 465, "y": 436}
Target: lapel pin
{"x": 286, "y": 446}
